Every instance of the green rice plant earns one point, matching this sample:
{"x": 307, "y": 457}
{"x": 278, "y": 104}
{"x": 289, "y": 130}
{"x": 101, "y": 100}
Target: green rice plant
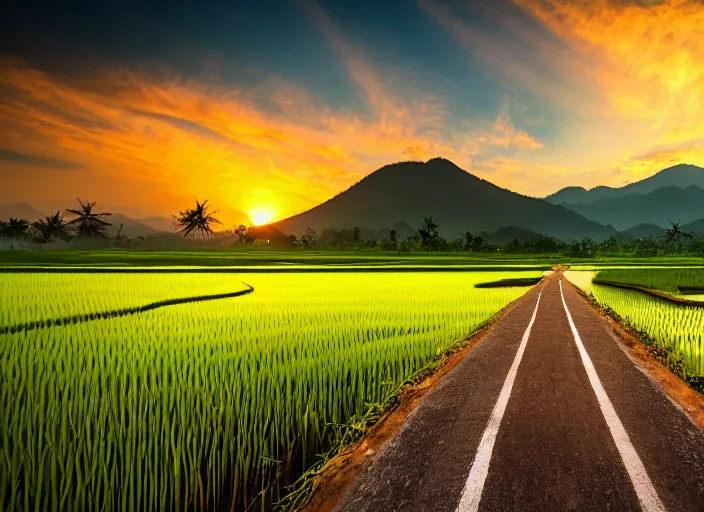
{"x": 679, "y": 329}
{"x": 676, "y": 328}
{"x": 668, "y": 280}
{"x": 40, "y": 297}
{"x": 220, "y": 403}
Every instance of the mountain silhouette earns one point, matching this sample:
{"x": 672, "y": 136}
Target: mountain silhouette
{"x": 506, "y": 235}
{"x": 696, "y": 227}
{"x": 20, "y": 211}
{"x": 459, "y": 201}
{"x": 659, "y": 207}
{"x": 130, "y": 227}
{"x": 682, "y": 175}
{"x": 645, "y": 231}
{"x": 161, "y": 224}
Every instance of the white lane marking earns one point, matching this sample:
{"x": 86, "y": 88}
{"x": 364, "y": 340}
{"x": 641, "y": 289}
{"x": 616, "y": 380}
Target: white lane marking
{"x": 472, "y": 492}
{"x": 648, "y": 497}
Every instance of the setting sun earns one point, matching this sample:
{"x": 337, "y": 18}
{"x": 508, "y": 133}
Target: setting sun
{"x": 261, "y": 216}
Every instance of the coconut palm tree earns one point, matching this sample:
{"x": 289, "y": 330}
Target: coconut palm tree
{"x": 87, "y": 222}
{"x": 51, "y": 228}
{"x": 14, "y": 228}
{"x": 428, "y": 233}
{"x": 197, "y": 221}
{"x": 674, "y": 233}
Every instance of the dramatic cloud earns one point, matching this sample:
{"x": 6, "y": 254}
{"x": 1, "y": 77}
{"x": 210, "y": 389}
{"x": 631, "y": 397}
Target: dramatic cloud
{"x": 645, "y": 61}
{"x": 187, "y": 138}
{"x": 531, "y": 94}
{"x": 624, "y": 78}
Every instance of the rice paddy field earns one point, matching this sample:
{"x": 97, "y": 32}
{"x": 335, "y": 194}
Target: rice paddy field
{"x": 217, "y": 404}
{"x": 676, "y": 327}
{"x": 39, "y": 297}
{"x": 676, "y": 281}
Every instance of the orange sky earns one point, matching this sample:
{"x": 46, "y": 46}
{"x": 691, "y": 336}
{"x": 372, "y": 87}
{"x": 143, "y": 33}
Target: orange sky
{"x": 626, "y": 79}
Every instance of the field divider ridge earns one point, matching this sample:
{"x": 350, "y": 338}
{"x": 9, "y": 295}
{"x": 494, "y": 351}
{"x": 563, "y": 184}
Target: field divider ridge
{"x": 87, "y": 317}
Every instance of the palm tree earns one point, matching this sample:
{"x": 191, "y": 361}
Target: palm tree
{"x": 428, "y": 232}
{"x": 50, "y": 228}
{"x": 196, "y": 221}
{"x": 14, "y": 228}
{"x": 674, "y": 233}
{"x": 89, "y": 223}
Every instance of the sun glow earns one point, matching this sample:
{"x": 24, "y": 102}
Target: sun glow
{"x": 262, "y": 215}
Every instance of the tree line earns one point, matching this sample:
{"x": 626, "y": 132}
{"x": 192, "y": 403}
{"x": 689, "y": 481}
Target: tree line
{"x": 426, "y": 237}
{"x": 198, "y": 223}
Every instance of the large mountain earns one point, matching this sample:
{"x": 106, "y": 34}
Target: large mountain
{"x": 506, "y": 235}
{"x": 682, "y": 175}
{"x": 409, "y": 191}
{"x": 659, "y": 207}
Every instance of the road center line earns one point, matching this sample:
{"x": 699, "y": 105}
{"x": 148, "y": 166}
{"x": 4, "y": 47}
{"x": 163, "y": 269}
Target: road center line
{"x": 472, "y": 492}
{"x": 648, "y": 497}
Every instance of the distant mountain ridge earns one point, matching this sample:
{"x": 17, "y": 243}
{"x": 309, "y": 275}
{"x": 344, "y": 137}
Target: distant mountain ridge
{"x": 161, "y": 224}
{"x": 645, "y": 231}
{"x": 20, "y": 211}
{"x": 681, "y": 175}
{"x": 658, "y": 207}
{"x": 409, "y": 191}
{"x": 696, "y": 227}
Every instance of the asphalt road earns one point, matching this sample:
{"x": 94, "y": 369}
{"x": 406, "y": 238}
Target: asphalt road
{"x": 542, "y": 415}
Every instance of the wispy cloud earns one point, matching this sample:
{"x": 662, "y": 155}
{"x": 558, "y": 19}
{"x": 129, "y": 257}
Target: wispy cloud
{"x": 504, "y": 134}
{"x": 15, "y": 157}
{"x": 626, "y": 77}
{"x": 587, "y": 92}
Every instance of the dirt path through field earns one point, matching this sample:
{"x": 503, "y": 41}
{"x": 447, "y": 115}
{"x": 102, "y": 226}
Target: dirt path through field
{"x": 546, "y": 413}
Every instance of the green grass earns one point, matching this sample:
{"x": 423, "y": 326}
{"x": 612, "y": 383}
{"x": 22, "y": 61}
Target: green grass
{"x": 193, "y": 405}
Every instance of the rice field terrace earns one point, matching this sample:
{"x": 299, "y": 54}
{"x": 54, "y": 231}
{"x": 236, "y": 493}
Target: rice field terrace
{"x": 35, "y": 297}
{"x": 677, "y": 328}
{"x": 677, "y": 281}
{"x": 218, "y": 404}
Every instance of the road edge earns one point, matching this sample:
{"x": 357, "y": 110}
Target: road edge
{"x": 341, "y": 470}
